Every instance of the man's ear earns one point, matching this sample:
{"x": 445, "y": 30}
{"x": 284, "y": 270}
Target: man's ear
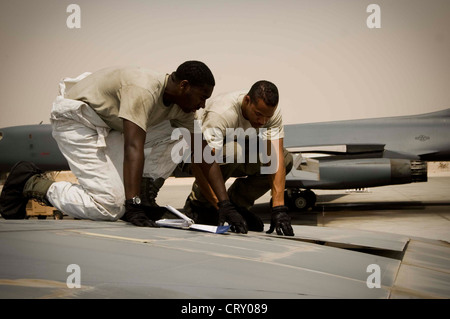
{"x": 184, "y": 85}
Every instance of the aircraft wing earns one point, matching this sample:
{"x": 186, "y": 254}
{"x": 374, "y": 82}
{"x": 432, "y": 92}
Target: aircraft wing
{"x": 416, "y": 137}
{"x": 338, "y": 149}
{"x": 343, "y": 151}
{"x": 319, "y": 262}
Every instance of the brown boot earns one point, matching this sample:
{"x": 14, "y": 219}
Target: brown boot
{"x": 25, "y": 181}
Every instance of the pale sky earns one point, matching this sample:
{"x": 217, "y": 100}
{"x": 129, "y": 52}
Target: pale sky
{"x": 326, "y": 62}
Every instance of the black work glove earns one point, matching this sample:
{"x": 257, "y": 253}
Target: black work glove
{"x": 280, "y": 221}
{"x": 154, "y": 212}
{"x": 228, "y": 213}
{"x": 136, "y": 215}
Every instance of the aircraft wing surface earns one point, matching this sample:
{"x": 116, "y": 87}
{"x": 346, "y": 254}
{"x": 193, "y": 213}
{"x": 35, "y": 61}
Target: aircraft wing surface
{"x": 117, "y": 260}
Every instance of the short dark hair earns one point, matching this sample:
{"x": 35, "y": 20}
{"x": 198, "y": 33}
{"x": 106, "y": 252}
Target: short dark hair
{"x": 196, "y": 73}
{"x": 265, "y": 90}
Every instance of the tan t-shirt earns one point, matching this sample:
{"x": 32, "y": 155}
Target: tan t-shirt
{"x": 131, "y": 93}
{"x": 225, "y": 111}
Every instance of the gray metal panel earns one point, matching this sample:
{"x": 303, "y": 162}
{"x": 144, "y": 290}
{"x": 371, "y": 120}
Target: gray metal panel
{"x": 433, "y": 255}
{"x": 425, "y": 271}
{"x": 420, "y": 282}
{"x": 351, "y": 237}
{"x": 38, "y": 225}
{"x": 122, "y": 261}
{"x": 339, "y": 262}
{"x": 128, "y": 261}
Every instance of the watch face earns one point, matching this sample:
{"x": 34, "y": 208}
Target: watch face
{"x": 136, "y": 200}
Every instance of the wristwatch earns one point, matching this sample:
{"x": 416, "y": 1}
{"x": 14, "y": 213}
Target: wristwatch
{"x": 136, "y": 200}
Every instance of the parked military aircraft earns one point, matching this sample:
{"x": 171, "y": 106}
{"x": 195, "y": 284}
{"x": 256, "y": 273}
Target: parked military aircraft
{"x": 353, "y": 154}
{"x": 364, "y": 153}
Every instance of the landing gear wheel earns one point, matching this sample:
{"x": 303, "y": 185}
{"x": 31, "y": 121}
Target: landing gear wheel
{"x": 300, "y": 200}
{"x": 311, "y": 197}
{"x": 57, "y": 214}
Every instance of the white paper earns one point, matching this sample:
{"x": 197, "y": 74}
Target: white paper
{"x": 180, "y": 214}
{"x": 176, "y": 223}
{"x": 187, "y": 223}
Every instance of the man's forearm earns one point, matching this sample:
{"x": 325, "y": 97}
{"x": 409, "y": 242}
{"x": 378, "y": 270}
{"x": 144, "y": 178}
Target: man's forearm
{"x": 215, "y": 179}
{"x": 278, "y": 180}
{"x": 203, "y": 184}
{"x": 133, "y": 162}
{"x": 132, "y": 172}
